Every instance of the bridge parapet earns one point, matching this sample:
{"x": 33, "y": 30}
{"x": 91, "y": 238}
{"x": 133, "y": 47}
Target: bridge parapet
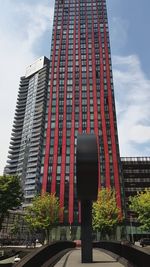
{"x": 136, "y": 255}
{"x": 46, "y": 255}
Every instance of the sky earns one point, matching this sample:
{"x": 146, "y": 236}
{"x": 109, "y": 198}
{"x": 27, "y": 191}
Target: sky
{"x": 25, "y": 35}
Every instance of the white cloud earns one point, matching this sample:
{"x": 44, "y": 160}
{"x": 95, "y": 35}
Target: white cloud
{"x": 22, "y": 27}
{"x": 132, "y": 91}
{"x": 39, "y": 18}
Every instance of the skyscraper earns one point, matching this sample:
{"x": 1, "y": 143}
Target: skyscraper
{"x": 80, "y": 100}
{"x": 24, "y": 156}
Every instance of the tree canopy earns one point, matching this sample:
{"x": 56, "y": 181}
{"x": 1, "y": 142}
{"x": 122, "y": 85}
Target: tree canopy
{"x": 106, "y": 214}
{"x": 44, "y": 213}
{"x": 10, "y": 195}
{"x": 140, "y": 204}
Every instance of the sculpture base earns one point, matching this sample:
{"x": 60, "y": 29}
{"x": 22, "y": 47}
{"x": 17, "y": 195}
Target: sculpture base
{"x": 86, "y": 232}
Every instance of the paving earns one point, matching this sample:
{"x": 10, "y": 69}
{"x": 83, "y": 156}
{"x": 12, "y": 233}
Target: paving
{"x": 100, "y": 258}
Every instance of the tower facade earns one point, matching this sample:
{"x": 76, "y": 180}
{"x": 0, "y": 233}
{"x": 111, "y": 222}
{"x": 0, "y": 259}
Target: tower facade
{"x": 80, "y": 100}
{"x": 25, "y": 151}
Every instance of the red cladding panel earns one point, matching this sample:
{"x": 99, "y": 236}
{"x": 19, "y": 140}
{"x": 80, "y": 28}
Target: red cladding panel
{"x": 48, "y": 133}
{"x": 55, "y": 157}
{"x": 102, "y": 106}
{"x": 63, "y": 158}
{"x": 95, "y": 95}
{"x": 72, "y": 151}
{"x": 112, "y": 128}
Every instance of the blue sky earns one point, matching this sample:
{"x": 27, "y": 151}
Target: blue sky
{"x": 135, "y": 17}
{"x": 25, "y": 30}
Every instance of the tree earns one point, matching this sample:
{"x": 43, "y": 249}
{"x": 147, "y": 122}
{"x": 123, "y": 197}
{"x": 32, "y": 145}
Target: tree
{"x": 140, "y": 204}
{"x": 43, "y": 214}
{"x": 106, "y": 214}
{"x": 10, "y": 195}
{"x": 15, "y": 229}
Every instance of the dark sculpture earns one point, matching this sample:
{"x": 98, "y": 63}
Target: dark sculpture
{"x": 87, "y": 188}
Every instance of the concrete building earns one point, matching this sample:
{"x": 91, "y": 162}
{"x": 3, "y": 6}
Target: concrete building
{"x": 136, "y": 177}
{"x": 25, "y": 151}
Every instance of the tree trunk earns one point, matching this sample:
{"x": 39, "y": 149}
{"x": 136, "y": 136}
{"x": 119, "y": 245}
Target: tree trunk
{"x": 1, "y": 220}
{"x": 47, "y": 236}
{"x": 98, "y": 235}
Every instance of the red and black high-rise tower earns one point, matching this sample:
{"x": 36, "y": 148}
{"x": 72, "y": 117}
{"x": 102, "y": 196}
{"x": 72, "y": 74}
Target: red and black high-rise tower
{"x": 80, "y": 100}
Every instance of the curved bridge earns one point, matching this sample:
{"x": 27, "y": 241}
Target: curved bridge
{"x": 100, "y": 258}
{"x": 65, "y": 254}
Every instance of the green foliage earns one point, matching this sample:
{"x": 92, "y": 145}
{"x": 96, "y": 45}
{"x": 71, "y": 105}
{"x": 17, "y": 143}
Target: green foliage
{"x": 140, "y": 204}
{"x": 44, "y": 213}
{"x": 106, "y": 214}
{"x": 15, "y": 229}
{"x": 10, "y": 195}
